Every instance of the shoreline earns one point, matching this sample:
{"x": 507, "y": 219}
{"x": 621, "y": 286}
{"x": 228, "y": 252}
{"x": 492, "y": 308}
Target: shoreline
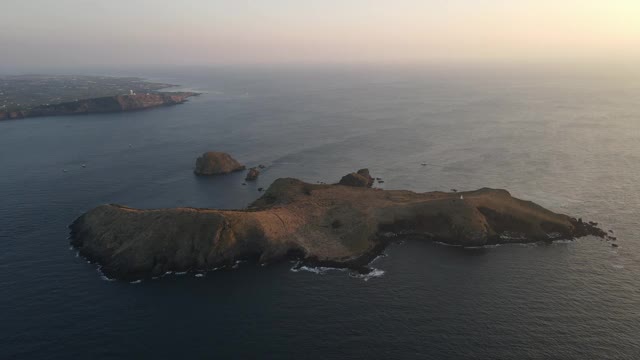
{"x": 335, "y": 226}
{"x": 358, "y": 266}
{"x": 103, "y": 105}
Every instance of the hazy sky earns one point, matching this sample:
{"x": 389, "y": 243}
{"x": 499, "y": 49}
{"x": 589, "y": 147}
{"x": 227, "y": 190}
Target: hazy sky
{"x": 90, "y": 32}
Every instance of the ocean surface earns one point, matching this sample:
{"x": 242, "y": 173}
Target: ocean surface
{"x": 568, "y": 140}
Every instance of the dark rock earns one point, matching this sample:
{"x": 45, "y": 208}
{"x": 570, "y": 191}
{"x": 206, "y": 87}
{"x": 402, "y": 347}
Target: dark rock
{"x": 252, "y": 175}
{"x": 614, "y": 245}
{"x": 361, "y": 178}
{"x": 260, "y": 189}
{"x": 216, "y": 163}
{"x": 261, "y": 166}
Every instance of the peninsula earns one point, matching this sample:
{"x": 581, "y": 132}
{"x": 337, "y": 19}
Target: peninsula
{"x": 341, "y": 225}
{"x": 41, "y": 95}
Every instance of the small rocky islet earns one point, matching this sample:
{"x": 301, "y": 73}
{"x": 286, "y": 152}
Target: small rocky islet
{"x": 216, "y": 163}
{"x": 343, "y": 225}
{"x": 253, "y": 174}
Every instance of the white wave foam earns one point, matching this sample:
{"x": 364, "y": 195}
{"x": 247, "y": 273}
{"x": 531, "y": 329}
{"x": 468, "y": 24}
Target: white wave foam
{"x": 102, "y": 275}
{"x": 199, "y": 275}
{"x": 374, "y": 273}
{"x": 316, "y": 270}
{"x": 306, "y": 268}
{"x": 383, "y": 255}
{"x": 445, "y": 244}
{"x": 135, "y": 282}
{"x": 237, "y": 264}
{"x": 526, "y": 244}
{"x": 492, "y": 246}
{"x": 617, "y": 266}
{"x": 181, "y": 273}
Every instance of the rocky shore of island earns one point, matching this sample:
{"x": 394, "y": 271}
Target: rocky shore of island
{"x": 343, "y": 225}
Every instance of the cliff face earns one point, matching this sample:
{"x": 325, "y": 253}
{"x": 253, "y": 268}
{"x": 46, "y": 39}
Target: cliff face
{"x": 333, "y": 225}
{"x": 103, "y": 105}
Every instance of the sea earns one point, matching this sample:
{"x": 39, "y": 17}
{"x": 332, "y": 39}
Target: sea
{"x": 565, "y": 138}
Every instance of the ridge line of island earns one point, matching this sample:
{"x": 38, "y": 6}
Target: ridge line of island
{"x": 342, "y": 225}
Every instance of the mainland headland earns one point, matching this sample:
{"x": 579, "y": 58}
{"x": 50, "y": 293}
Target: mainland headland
{"x": 39, "y": 95}
{"x": 343, "y": 225}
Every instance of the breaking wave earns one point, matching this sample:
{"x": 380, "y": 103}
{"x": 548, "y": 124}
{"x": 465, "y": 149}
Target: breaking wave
{"x": 374, "y": 273}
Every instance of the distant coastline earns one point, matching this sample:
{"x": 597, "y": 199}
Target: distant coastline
{"x": 108, "y": 104}
{"x": 27, "y": 96}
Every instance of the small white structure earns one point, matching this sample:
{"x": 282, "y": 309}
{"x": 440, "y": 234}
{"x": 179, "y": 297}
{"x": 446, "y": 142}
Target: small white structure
{"x": 461, "y": 197}
{"x": 131, "y": 92}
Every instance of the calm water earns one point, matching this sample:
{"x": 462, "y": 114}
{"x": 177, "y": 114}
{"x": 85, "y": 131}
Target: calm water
{"x": 570, "y": 142}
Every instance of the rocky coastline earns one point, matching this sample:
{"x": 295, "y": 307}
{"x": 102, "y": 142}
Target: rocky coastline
{"x": 339, "y": 225}
{"x": 108, "y": 104}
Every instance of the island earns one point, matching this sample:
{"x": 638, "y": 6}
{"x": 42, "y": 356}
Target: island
{"x": 43, "y": 95}
{"x": 335, "y": 225}
{"x": 216, "y": 163}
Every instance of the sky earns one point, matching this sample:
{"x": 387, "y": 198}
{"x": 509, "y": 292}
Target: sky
{"x": 211, "y": 32}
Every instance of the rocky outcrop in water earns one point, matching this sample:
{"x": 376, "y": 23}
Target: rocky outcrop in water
{"x": 216, "y": 163}
{"x": 253, "y": 174}
{"x": 118, "y": 103}
{"x": 329, "y": 225}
